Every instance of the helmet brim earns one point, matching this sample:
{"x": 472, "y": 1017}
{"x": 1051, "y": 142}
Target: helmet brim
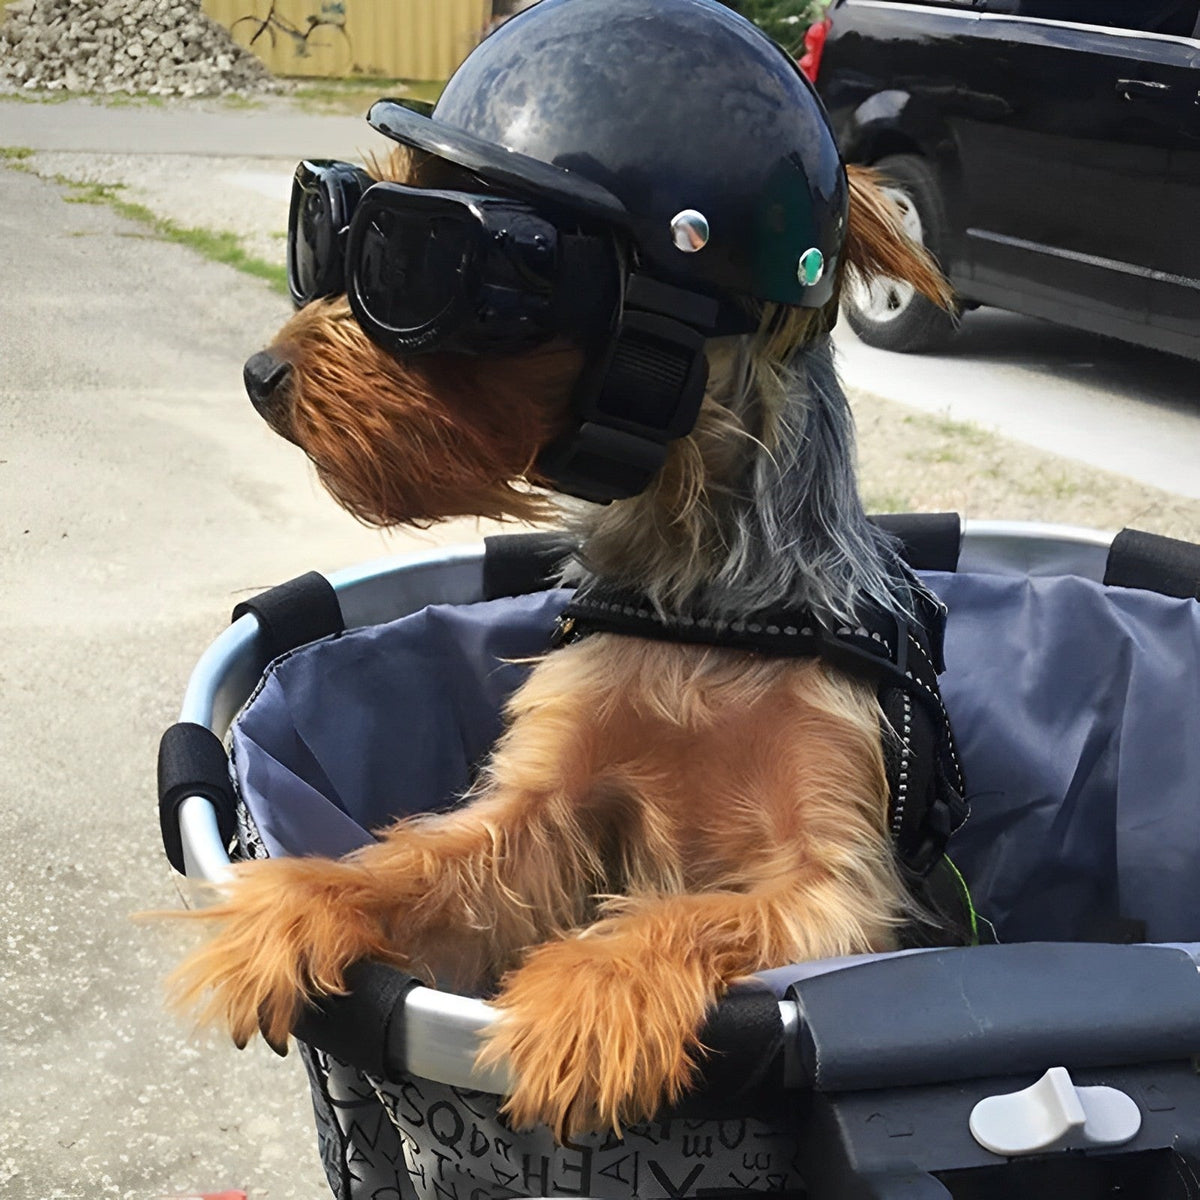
{"x": 401, "y": 121}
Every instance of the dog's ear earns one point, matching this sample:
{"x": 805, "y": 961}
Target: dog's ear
{"x": 876, "y": 243}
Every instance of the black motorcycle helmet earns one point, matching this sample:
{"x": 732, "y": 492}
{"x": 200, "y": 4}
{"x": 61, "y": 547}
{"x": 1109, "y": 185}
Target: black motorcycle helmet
{"x": 640, "y": 111}
{"x": 686, "y": 131}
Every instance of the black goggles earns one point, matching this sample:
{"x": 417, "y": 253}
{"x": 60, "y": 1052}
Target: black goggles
{"x": 442, "y": 270}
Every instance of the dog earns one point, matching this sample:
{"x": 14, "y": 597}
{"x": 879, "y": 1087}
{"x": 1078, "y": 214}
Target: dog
{"x": 659, "y": 819}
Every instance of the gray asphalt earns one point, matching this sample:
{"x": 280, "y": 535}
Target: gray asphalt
{"x": 1106, "y": 403}
{"x": 272, "y": 128}
{"x": 140, "y": 498}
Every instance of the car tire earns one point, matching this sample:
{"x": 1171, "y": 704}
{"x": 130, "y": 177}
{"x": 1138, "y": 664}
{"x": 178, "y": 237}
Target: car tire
{"x": 889, "y": 313}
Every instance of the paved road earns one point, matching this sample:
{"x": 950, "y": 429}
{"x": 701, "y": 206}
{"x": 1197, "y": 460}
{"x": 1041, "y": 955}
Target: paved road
{"x": 139, "y": 499}
{"x": 1108, "y": 404}
{"x": 270, "y": 129}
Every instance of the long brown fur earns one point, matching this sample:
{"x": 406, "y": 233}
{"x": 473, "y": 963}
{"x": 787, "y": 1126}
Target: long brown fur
{"x": 657, "y": 821}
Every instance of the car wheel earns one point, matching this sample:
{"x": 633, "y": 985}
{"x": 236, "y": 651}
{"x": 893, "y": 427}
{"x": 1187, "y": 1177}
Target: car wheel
{"x": 889, "y": 313}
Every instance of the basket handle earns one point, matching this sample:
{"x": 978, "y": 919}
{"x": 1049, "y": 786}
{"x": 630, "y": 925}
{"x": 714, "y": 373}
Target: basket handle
{"x": 391, "y": 1027}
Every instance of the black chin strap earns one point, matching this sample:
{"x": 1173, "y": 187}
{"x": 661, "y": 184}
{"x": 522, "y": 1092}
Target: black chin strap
{"x": 644, "y": 391}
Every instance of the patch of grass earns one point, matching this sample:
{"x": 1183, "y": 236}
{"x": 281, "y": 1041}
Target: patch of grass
{"x": 216, "y": 245}
{"x": 15, "y": 154}
{"x": 1057, "y": 485}
{"x": 886, "y": 501}
{"x": 948, "y": 427}
{"x": 355, "y": 95}
{"x": 126, "y": 99}
{"x": 89, "y": 193}
{"x": 33, "y": 96}
{"x": 945, "y": 453}
{"x": 241, "y": 101}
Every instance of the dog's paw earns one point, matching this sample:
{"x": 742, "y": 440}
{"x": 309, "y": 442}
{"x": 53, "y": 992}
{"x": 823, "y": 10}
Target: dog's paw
{"x": 594, "y": 1043}
{"x": 286, "y": 935}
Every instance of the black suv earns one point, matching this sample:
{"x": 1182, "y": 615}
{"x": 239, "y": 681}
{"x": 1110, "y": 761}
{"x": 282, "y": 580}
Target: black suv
{"x": 1050, "y": 151}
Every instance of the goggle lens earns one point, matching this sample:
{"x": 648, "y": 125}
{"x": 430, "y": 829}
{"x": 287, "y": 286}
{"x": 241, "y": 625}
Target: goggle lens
{"x": 426, "y": 269}
{"x": 312, "y": 247}
{"x": 410, "y": 268}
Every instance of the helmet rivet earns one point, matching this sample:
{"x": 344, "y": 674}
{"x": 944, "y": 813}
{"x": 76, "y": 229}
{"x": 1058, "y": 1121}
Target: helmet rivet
{"x": 811, "y": 267}
{"x": 689, "y": 231}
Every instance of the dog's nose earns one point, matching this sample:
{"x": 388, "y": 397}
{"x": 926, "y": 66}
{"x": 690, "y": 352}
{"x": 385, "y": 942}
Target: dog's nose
{"x": 264, "y": 376}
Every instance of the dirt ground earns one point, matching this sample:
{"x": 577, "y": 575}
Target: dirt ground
{"x": 913, "y": 462}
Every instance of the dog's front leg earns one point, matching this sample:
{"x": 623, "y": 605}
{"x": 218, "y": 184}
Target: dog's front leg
{"x": 452, "y": 895}
{"x": 288, "y": 928}
{"x": 455, "y": 895}
{"x": 601, "y": 1029}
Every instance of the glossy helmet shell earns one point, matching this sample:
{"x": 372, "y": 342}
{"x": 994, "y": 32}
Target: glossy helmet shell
{"x": 633, "y": 111}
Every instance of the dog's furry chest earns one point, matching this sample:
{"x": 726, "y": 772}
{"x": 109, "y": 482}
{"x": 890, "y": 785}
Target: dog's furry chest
{"x": 704, "y": 768}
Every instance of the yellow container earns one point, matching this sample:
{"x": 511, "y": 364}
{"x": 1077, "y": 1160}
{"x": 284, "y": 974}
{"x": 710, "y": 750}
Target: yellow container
{"x": 393, "y": 39}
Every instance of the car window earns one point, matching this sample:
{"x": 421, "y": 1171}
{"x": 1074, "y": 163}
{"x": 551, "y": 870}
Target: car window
{"x": 1149, "y": 16}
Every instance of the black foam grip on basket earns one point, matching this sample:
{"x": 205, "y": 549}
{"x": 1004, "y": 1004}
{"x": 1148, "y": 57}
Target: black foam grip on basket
{"x": 365, "y": 1027}
{"x": 303, "y": 610}
{"x": 518, "y": 564}
{"x": 741, "y": 1067}
{"x": 928, "y": 541}
{"x": 950, "y": 1015}
{"x": 1154, "y": 563}
{"x": 192, "y": 762}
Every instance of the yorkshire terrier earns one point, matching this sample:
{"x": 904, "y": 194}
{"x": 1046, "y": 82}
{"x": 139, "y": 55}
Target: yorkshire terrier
{"x": 660, "y": 819}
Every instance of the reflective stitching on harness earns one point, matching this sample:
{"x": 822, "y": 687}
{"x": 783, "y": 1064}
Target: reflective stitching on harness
{"x": 905, "y": 753}
{"x": 735, "y": 626}
{"x": 958, "y": 771}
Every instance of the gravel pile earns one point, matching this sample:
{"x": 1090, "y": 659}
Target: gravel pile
{"x": 155, "y": 47}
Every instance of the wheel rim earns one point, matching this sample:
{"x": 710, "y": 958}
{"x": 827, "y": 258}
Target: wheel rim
{"x": 884, "y": 299}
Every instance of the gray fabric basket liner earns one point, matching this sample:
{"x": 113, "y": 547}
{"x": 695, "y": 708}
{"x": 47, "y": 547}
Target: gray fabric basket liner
{"x": 1076, "y": 708}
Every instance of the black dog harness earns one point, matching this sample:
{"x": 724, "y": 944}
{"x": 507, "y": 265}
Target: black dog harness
{"x": 903, "y": 660}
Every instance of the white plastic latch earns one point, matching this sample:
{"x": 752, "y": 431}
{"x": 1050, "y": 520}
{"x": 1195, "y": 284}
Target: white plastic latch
{"x": 1054, "y": 1114}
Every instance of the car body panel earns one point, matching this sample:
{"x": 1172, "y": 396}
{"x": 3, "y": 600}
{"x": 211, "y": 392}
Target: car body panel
{"x": 1068, "y": 155}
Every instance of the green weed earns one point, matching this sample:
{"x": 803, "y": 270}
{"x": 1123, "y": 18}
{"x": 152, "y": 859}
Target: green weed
{"x": 883, "y": 501}
{"x": 215, "y": 245}
{"x": 33, "y": 96}
{"x": 1057, "y": 485}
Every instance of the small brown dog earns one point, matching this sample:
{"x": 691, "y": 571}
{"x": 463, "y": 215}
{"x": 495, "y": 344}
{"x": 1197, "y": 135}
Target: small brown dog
{"x": 661, "y": 818}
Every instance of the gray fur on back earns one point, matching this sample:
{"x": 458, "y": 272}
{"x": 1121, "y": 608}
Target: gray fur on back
{"x": 797, "y": 533}
{"x": 790, "y": 530}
